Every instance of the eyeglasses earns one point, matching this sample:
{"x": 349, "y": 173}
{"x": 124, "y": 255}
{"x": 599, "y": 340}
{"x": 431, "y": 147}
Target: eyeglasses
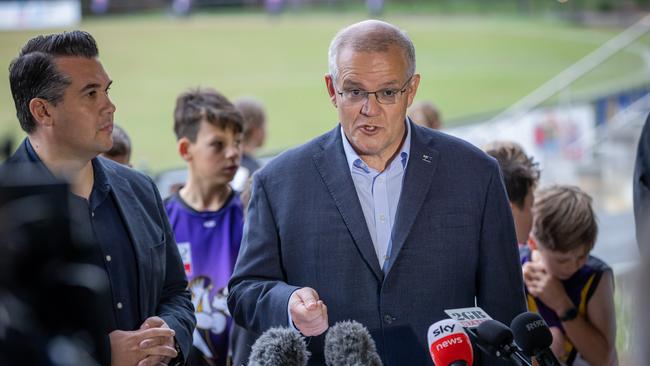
{"x": 384, "y": 96}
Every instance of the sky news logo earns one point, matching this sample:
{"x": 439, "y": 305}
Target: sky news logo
{"x": 448, "y": 342}
{"x": 443, "y": 329}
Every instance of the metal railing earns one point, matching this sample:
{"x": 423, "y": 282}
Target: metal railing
{"x": 572, "y": 74}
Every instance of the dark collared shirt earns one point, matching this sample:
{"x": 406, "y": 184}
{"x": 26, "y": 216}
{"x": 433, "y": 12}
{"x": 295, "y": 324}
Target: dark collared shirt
{"x": 99, "y": 220}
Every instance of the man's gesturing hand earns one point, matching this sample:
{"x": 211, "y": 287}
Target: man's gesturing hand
{"x": 308, "y": 312}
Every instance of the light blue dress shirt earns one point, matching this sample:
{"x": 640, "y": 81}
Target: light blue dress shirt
{"x": 379, "y": 193}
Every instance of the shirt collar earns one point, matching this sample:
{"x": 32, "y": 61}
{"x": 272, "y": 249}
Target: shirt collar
{"x": 100, "y": 178}
{"x": 34, "y": 158}
{"x": 355, "y": 162}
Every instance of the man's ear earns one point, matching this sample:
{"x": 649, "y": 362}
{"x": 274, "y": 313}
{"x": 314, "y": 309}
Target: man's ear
{"x": 532, "y": 243}
{"x": 39, "y": 108}
{"x": 413, "y": 88}
{"x": 329, "y": 83}
{"x": 184, "y": 148}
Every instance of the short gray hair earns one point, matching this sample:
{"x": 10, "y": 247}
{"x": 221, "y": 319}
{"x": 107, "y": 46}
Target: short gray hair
{"x": 371, "y": 36}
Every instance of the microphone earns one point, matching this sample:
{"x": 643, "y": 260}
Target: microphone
{"x": 279, "y": 346}
{"x": 449, "y": 345}
{"x": 533, "y": 336}
{"x": 348, "y": 343}
{"x": 496, "y": 338}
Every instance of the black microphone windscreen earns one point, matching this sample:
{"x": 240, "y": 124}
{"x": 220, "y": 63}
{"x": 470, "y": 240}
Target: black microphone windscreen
{"x": 279, "y": 346}
{"x": 349, "y": 343}
{"x": 494, "y": 333}
{"x": 531, "y": 333}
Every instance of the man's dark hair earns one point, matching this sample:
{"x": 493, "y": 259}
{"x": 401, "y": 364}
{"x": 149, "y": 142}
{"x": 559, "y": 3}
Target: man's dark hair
{"x": 520, "y": 172}
{"x": 33, "y": 74}
{"x": 204, "y": 104}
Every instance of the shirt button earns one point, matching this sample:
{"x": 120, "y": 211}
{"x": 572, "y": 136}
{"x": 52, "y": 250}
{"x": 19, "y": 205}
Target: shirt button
{"x": 92, "y": 214}
{"x": 108, "y": 258}
{"x": 382, "y": 218}
{"x": 119, "y": 305}
{"x": 388, "y": 319}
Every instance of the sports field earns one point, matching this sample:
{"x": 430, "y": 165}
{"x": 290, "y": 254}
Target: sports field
{"x": 470, "y": 65}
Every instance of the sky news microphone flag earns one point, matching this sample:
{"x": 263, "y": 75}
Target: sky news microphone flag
{"x": 449, "y": 345}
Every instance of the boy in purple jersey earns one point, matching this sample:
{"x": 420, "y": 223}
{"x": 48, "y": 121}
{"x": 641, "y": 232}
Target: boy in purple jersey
{"x": 572, "y": 290}
{"x": 206, "y": 214}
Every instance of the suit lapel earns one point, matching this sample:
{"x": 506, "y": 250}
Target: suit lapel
{"x": 132, "y": 217}
{"x": 422, "y": 164}
{"x": 335, "y": 172}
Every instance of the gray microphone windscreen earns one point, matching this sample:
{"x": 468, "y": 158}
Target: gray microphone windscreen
{"x": 279, "y": 346}
{"x": 349, "y": 343}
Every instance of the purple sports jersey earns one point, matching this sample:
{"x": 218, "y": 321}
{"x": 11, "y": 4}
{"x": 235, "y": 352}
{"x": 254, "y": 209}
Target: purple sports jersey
{"x": 208, "y": 243}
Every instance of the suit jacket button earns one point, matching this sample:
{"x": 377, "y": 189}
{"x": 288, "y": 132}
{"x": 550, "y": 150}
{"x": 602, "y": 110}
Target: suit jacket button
{"x": 388, "y": 319}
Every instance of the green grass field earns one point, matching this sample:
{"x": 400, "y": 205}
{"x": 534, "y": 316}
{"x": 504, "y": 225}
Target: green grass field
{"x": 470, "y": 65}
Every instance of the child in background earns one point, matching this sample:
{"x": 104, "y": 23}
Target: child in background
{"x": 426, "y": 114}
{"x": 254, "y": 134}
{"x": 572, "y": 290}
{"x": 520, "y": 176}
{"x": 121, "y": 150}
{"x": 206, "y": 214}
{"x": 253, "y": 137}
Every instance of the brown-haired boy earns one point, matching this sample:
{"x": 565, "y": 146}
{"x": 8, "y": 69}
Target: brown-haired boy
{"x": 520, "y": 176}
{"x": 206, "y": 214}
{"x": 572, "y": 290}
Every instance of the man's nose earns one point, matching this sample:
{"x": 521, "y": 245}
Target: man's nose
{"x": 371, "y": 105}
{"x": 110, "y": 105}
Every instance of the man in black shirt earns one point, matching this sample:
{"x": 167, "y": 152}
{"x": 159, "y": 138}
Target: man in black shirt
{"x": 61, "y": 94}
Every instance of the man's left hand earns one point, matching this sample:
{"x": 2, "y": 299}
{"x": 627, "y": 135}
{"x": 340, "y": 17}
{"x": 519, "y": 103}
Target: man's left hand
{"x": 155, "y": 322}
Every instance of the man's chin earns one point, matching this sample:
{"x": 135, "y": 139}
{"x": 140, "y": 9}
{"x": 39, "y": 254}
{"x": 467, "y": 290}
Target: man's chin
{"x": 365, "y": 148}
{"x": 103, "y": 149}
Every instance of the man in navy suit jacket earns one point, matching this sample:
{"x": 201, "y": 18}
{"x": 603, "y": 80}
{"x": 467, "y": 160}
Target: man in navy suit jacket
{"x": 379, "y": 220}
{"x": 61, "y": 94}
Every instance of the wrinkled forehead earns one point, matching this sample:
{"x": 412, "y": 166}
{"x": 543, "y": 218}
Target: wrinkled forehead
{"x": 389, "y": 67}
{"x": 397, "y": 54}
